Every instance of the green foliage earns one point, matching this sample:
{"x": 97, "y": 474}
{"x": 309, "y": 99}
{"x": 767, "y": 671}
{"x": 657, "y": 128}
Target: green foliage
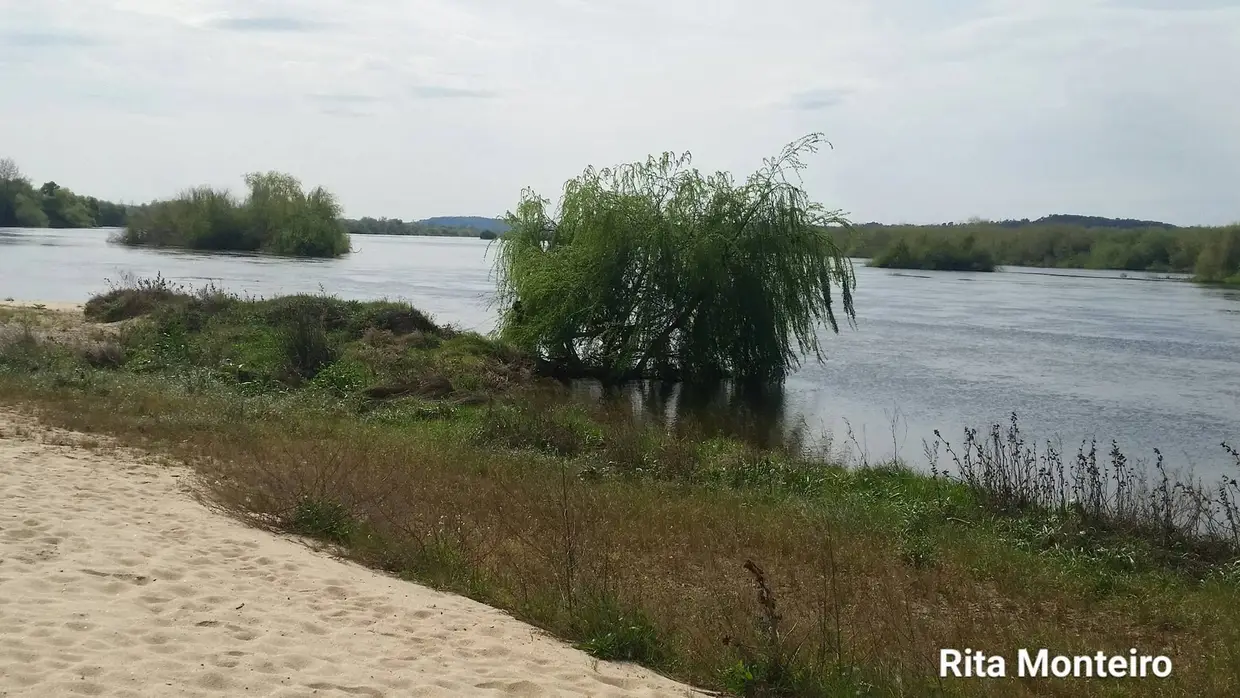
{"x": 563, "y": 431}
{"x": 277, "y": 217}
{"x": 293, "y": 222}
{"x": 64, "y": 209}
{"x": 1219, "y": 260}
{"x": 28, "y": 213}
{"x": 615, "y": 633}
{"x": 140, "y": 297}
{"x": 201, "y": 218}
{"x": 396, "y": 226}
{"x": 328, "y": 520}
{"x": 654, "y": 269}
{"x": 344, "y": 377}
{"x": 944, "y": 254}
{"x": 1054, "y": 241}
{"x": 106, "y": 214}
{"x": 350, "y": 349}
{"x": 305, "y": 344}
{"x": 51, "y": 205}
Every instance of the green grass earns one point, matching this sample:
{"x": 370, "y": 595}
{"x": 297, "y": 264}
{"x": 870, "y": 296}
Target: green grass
{"x": 438, "y": 455}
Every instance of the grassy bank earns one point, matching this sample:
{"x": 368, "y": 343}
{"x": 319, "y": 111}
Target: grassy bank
{"x": 276, "y": 217}
{"x": 437, "y": 455}
{"x": 1210, "y": 254}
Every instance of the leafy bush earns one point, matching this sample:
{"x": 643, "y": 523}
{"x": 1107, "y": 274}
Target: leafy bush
{"x": 939, "y": 254}
{"x": 325, "y": 519}
{"x": 306, "y": 346}
{"x": 615, "y": 633}
{"x": 277, "y": 217}
{"x": 1211, "y": 253}
{"x": 564, "y": 431}
{"x": 139, "y": 297}
{"x": 343, "y": 377}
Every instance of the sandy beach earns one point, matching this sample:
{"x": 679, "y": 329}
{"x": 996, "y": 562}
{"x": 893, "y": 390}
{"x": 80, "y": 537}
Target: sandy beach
{"x": 56, "y": 306}
{"x": 115, "y": 581}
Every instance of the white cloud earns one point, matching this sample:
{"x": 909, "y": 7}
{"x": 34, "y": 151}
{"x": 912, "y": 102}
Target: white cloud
{"x": 939, "y": 109}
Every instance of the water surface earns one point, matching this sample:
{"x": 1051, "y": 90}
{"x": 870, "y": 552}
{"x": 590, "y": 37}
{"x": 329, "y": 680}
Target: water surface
{"x": 1077, "y": 354}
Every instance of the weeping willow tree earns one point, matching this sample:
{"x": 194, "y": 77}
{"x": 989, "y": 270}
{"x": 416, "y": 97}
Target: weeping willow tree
{"x": 654, "y": 270}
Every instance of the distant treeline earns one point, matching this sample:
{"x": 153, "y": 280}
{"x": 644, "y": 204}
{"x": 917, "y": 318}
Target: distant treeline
{"x": 51, "y": 205}
{"x": 448, "y": 226}
{"x": 286, "y": 220}
{"x": 277, "y": 217}
{"x": 396, "y": 226}
{"x": 1212, "y": 254}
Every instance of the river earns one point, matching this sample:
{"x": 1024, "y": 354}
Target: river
{"x": 1149, "y": 362}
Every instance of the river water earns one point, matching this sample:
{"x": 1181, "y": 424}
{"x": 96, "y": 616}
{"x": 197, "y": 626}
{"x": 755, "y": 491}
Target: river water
{"x": 1149, "y": 362}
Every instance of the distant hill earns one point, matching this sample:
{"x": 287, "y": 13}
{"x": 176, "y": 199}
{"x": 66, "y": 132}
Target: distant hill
{"x": 1100, "y": 222}
{"x": 480, "y": 223}
{"x": 1054, "y": 219}
{"x": 463, "y": 227}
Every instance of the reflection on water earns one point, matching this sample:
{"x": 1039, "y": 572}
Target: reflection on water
{"x": 1076, "y": 353}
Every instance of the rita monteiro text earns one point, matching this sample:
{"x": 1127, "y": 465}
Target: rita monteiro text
{"x": 1040, "y": 663}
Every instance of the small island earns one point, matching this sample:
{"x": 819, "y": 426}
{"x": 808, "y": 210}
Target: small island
{"x": 277, "y": 217}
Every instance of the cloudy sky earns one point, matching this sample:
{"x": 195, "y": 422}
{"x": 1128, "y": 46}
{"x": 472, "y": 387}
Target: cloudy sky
{"x": 939, "y": 109}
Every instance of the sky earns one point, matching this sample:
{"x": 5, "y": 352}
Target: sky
{"x": 938, "y": 110}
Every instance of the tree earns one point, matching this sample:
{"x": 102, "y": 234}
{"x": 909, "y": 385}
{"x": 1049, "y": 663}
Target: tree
{"x": 1219, "y": 259}
{"x": 64, "y": 209}
{"x": 51, "y": 204}
{"x": 105, "y": 214}
{"x": 652, "y": 269}
{"x": 294, "y": 222}
{"x": 9, "y": 170}
{"x": 28, "y": 212}
{"x": 19, "y": 203}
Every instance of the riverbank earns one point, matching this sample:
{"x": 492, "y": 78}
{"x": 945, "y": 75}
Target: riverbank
{"x": 713, "y": 561}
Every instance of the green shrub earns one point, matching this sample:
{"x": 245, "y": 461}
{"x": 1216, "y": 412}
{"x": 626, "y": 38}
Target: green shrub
{"x": 277, "y": 217}
{"x": 138, "y": 297}
{"x": 615, "y": 633}
{"x": 325, "y": 519}
{"x": 306, "y": 346}
{"x": 564, "y": 431}
{"x": 937, "y": 254}
{"x": 343, "y": 377}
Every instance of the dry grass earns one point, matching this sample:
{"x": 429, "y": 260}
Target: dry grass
{"x": 656, "y": 571}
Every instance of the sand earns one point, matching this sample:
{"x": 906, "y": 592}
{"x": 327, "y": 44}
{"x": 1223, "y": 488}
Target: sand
{"x": 53, "y": 305}
{"x": 115, "y": 581}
